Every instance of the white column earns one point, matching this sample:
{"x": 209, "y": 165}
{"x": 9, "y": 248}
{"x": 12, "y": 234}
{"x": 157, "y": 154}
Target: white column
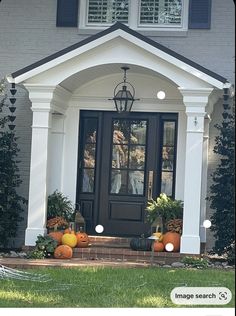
{"x": 56, "y": 144}
{"x": 70, "y": 155}
{"x": 204, "y": 178}
{"x": 37, "y": 204}
{"x": 41, "y": 98}
{"x": 195, "y": 102}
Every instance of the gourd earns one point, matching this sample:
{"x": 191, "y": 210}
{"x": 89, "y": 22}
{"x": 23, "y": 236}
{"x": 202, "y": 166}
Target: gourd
{"x": 69, "y": 240}
{"x": 172, "y": 238}
{"x": 158, "y": 246}
{"x": 82, "y": 240}
{"x": 142, "y": 244}
{"x": 158, "y": 235}
{"x": 56, "y": 236}
{"x": 63, "y": 252}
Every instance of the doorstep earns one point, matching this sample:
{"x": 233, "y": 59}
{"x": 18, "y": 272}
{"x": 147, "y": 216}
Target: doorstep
{"x": 118, "y": 248}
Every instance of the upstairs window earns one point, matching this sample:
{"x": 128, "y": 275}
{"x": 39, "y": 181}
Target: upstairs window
{"x": 137, "y": 14}
{"x": 107, "y": 11}
{"x": 161, "y": 12}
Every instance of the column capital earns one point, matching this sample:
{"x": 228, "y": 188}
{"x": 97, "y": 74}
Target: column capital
{"x": 195, "y": 100}
{"x": 48, "y": 98}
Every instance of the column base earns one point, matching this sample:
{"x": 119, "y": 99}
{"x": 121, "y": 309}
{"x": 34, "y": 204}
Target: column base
{"x": 190, "y": 245}
{"x": 31, "y": 235}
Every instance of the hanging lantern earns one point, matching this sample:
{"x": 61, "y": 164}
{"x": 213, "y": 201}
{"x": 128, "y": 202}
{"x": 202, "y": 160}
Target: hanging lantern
{"x": 124, "y": 94}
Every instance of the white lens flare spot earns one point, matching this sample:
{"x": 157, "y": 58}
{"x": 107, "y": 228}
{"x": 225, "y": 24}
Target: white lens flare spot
{"x": 169, "y": 247}
{"x": 161, "y": 95}
{"x": 207, "y": 223}
{"x": 99, "y": 229}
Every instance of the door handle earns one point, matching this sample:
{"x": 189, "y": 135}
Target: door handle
{"x": 150, "y": 184}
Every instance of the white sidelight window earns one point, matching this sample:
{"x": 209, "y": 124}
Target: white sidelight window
{"x": 107, "y": 11}
{"x": 160, "y": 12}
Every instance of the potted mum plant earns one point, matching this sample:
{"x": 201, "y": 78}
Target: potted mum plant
{"x": 60, "y": 211}
{"x": 169, "y": 212}
{"x": 164, "y": 208}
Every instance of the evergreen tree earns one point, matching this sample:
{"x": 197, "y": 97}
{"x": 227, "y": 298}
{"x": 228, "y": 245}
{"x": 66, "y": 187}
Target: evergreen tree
{"x": 222, "y": 190}
{"x": 11, "y": 203}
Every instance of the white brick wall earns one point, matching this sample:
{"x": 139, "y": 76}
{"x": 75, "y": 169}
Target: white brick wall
{"x": 28, "y": 33}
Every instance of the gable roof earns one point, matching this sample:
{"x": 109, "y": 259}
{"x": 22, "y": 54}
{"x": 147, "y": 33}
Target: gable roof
{"x": 126, "y": 29}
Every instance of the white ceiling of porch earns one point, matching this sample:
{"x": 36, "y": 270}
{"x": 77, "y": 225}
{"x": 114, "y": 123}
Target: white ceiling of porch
{"x": 74, "y": 82}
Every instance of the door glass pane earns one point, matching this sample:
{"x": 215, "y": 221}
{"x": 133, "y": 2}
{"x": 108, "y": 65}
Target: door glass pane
{"x": 89, "y": 155}
{"x": 118, "y": 181}
{"x": 138, "y": 132}
{"x": 90, "y": 128}
{"x": 120, "y": 131}
{"x": 88, "y": 180}
{"x": 168, "y": 158}
{"x": 137, "y": 157}
{"x": 136, "y": 182}
{"x": 169, "y": 134}
{"x": 167, "y": 183}
{"x": 120, "y": 156}
{"x": 128, "y": 152}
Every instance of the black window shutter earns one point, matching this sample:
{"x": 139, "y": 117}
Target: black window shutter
{"x": 67, "y": 13}
{"x": 199, "y": 14}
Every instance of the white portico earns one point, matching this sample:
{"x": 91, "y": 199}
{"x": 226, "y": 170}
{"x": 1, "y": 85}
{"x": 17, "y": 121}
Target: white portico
{"x": 83, "y": 77}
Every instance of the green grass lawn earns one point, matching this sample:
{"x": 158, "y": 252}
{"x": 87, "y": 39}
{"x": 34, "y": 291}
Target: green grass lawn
{"x": 108, "y": 287}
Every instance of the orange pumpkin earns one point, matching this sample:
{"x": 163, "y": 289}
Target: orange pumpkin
{"x": 56, "y": 236}
{"x": 172, "y": 238}
{"x": 158, "y": 246}
{"x": 82, "y": 240}
{"x": 69, "y": 231}
{"x": 63, "y": 252}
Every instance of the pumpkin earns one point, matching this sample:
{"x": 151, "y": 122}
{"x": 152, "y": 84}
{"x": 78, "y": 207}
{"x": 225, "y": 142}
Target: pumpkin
{"x": 69, "y": 231}
{"x": 82, "y": 240}
{"x": 172, "y": 238}
{"x": 158, "y": 235}
{"x": 56, "y": 236}
{"x": 142, "y": 244}
{"x": 158, "y": 246}
{"x": 69, "y": 240}
{"x": 63, "y": 252}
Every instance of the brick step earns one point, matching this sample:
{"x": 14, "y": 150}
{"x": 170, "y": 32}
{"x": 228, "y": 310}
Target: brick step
{"x": 124, "y": 254}
{"x": 109, "y": 240}
{"x": 109, "y": 245}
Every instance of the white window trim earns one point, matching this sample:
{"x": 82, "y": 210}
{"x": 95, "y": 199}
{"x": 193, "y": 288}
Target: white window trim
{"x": 134, "y": 9}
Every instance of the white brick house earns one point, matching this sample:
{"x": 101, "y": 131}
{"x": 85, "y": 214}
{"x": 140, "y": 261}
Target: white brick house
{"x": 171, "y": 48}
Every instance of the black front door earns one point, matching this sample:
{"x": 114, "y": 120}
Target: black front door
{"x": 121, "y": 166}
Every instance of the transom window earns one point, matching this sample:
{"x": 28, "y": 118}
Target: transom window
{"x": 137, "y": 14}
